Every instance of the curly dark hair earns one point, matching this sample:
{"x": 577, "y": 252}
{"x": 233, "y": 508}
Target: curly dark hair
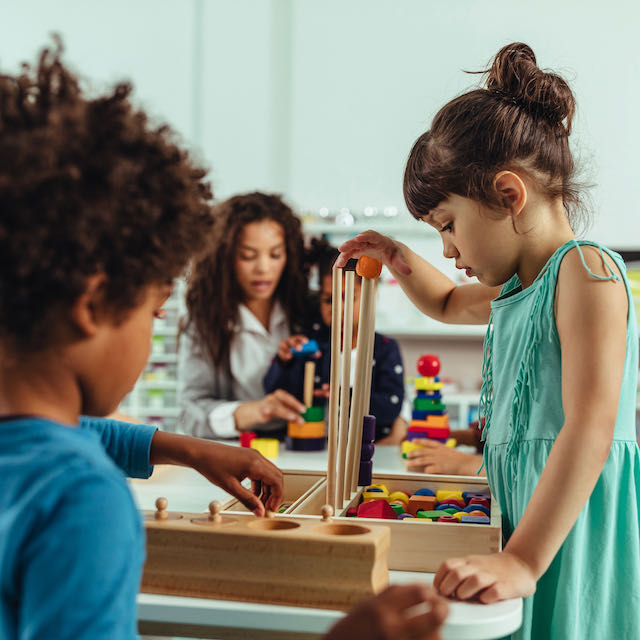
{"x": 521, "y": 120}
{"x": 213, "y": 292}
{"x": 87, "y": 186}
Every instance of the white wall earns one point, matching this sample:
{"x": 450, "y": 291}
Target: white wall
{"x": 322, "y": 101}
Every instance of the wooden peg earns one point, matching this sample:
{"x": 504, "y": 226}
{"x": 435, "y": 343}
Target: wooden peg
{"x": 327, "y": 512}
{"x": 214, "y": 511}
{"x": 161, "y": 506}
{"x": 269, "y": 514}
{"x": 309, "y": 375}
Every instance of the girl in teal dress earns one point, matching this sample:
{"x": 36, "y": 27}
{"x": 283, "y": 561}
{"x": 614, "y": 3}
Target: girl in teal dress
{"x": 494, "y": 175}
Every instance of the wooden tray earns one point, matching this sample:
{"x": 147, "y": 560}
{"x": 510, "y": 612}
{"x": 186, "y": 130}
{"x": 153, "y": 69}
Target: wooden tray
{"x": 422, "y": 545}
{"x": 286, "y": 559}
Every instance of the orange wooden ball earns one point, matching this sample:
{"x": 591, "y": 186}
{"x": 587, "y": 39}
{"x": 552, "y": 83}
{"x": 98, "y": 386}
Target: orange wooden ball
{"x": 368, "y": 267}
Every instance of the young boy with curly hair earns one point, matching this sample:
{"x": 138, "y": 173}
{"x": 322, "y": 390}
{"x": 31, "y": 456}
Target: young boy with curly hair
{"x": 99, "y": 212}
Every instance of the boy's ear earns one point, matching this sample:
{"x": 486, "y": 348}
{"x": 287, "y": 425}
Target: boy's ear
{"x": 88, "y": 309}
{"x": 512, "y": 191}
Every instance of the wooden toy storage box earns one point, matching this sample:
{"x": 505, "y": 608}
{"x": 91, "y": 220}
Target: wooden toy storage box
{"x": 419, "y": 545}
{"x": 280, "y": 560}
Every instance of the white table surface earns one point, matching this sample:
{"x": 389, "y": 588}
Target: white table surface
{"x": 186, "y": 490}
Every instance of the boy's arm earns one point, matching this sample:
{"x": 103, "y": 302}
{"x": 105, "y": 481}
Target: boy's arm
{"x": 128, "y": 445}
{"x": 591, "y": 317}
{"x": 427, "y": 287}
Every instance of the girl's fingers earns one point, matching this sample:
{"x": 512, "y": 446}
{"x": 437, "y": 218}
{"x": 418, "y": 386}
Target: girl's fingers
{"x": 474, "y": 584}
{"x": 444, "y": 569}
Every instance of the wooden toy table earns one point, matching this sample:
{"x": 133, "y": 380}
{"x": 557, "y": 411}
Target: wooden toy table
{"x": 205, "y": 618}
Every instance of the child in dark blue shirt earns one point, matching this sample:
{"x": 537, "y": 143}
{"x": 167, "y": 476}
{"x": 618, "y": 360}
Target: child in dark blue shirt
{"x": 387, "y": 377}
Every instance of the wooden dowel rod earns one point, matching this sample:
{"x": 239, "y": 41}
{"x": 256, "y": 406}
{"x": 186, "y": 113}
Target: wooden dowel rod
{"x": 334, "y": 384}
{"x": 366, "y": 334}
{"x": 359, "y": 384}
{"x": 347, "y": 323}
{"x": 309, "y": 375}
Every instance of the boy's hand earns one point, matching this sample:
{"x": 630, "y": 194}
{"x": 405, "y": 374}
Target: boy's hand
{"x": 407, "y": 612}
{"x": 373, "y": 244}
{"x": 489, "y": 578}
{"x": 228, "y": 466}
{"x": 436, "y": 457}
{"x": 225, "y": 466}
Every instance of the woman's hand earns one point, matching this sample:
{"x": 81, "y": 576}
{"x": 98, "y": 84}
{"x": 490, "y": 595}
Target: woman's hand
{"x": 277, "y": 405}
{"x": 225, "y": 466}
{"x": 436, "y": 457}
{"x": 371, "y": 243}
{"x": 400, "y": 612}
{"x": 489, "y": 578}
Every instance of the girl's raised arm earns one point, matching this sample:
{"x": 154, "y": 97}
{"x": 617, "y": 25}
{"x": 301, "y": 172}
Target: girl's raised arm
{"x": 429, "y": 289}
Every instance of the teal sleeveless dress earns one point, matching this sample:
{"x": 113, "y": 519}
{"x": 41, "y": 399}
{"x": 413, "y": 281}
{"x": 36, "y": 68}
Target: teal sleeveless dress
{"x": 592, "y": 588}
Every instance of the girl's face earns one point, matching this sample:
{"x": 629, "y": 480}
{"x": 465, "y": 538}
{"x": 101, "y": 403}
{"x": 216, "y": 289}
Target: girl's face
{"x": 326, "y": 302}
{"x": 481, "y": 243}
{"x": 261, "y": 256}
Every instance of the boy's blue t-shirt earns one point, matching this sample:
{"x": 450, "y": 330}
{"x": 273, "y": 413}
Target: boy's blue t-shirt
{"x": 71, "y": 537}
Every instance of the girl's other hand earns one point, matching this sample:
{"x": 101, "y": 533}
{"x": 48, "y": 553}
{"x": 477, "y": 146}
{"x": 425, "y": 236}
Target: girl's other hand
{"x": 436, "y": 457}
{"x": 371, "y": 243}
{"x": 400, "y": 612}
{"x": 498, "y": 576}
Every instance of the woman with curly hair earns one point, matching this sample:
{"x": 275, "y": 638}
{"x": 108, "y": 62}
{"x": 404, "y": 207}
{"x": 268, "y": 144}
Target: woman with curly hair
{"x": 247, "y": 294}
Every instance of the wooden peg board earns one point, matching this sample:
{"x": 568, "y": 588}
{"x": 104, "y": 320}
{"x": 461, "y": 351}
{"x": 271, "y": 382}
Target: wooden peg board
{"x": 279, "y": 560}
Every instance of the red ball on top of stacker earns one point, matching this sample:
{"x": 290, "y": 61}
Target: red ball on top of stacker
{"x": 368, "y": 267}
{"x": 428, "y": 365}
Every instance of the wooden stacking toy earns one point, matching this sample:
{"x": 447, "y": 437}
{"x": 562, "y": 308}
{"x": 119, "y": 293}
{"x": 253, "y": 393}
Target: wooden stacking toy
{"x": 429, "y": 417}
{"x": 309, "y": 436}
{"x": 277, "y": 560}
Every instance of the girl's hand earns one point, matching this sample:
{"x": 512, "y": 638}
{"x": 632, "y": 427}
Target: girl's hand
{"x": 498, "y": 576}
{"x": 436, "y": 457}
{"x": 373, "y": 244}
{"x": 277, "y": 405}
{"x": 400, "y": 612}
{"x": 292, "y": 342}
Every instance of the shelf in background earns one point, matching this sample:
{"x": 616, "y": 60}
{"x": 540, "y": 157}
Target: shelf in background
{"x": 408, "y": 226}
{"x": 431, "y": 330}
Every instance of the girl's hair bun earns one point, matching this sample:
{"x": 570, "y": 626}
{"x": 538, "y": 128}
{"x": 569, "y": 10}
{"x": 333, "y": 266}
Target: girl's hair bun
{"x": 514, "y": 76}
